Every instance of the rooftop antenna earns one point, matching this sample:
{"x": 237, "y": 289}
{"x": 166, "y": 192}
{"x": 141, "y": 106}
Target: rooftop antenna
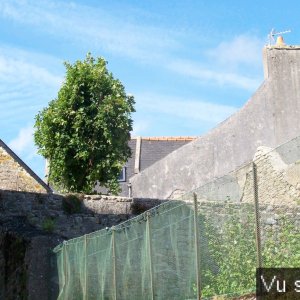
{"x": 274, "y": 33}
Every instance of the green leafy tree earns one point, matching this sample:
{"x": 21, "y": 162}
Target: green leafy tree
{"x": 84, "y": 132}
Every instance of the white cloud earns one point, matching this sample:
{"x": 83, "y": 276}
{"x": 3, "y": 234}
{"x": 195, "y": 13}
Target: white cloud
{"x": 16, "y": 70}
{"x": 226, "y": 64}
{"x": 23, "y": 143}
{"x": 23, "y": 146}
{"x": 26, "y": 85}
{"x": 139, "y": 126}
{"x": 100, "y": 29}
{"x": 243, "y": 49}
{"x": 183, "y": 108}
{"x": 91, "y": 26}
{"x": 216, "y": 75}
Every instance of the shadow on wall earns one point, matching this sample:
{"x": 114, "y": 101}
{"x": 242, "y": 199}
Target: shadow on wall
{"x": 32, "y": 224}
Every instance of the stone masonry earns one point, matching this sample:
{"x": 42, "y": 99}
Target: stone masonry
{"x": 47, "y": 212}
{"x": 278, "y": 179}
{"x": 32, "y": 224}
{"x": 16, "y": 175}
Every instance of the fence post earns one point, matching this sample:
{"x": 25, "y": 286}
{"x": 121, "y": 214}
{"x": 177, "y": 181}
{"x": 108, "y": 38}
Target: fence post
{"x": 257, "y": 217}
{"x": 65, "y": 264}
{"x": 150, "y": 254}
{"x": 114, "y": 263}
{"x": 197, "y": 250}
{"x": 85, "y": 296}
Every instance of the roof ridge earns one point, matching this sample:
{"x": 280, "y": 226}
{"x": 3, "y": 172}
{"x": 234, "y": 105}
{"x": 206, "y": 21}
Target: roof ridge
{"x": 167, "y": 138}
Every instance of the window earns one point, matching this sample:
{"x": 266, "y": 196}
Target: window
{"x": 122, "y": 176}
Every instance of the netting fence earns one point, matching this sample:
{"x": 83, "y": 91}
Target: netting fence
{"x": 209, "y": 243}
{"x": 147, "y": 257}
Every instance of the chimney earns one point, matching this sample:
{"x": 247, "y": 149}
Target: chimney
{"x": 280, "y": 41}
{"x": 282, "y": 62}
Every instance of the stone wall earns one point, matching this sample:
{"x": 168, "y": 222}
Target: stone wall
{"x": 13, "y": 267}
{"x": 32, "y": 224}
{"x": 37, "y": 222}
{"x": 16, "y": 175}
{"x": 25, "y": 260}
{"x": 278, "y": 183}
{"x": 279, "y": 228}
{"x": 271, "y": 215}
{"x": 47, "y": 212}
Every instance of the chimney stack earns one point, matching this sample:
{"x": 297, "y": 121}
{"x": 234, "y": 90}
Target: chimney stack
{"x": 280, "y": 41}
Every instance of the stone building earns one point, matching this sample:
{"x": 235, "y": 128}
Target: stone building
{"x": 16, "y": 175}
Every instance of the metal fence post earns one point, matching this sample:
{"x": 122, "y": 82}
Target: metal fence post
{"x": 114, "y": 263}
{"x": 65, "y": 264}
{"x": 150, "y": 254}
{"x": 257, "y": 217}
{"x": 85, "y": 296}
{"x": 197, "y": 250}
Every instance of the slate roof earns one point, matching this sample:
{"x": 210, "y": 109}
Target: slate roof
{"x": 152, "y": 149}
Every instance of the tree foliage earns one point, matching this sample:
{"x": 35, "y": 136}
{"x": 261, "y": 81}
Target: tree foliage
{"x": 84, "y": 132}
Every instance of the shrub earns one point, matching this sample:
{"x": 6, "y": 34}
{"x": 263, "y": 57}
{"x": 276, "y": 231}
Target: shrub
{"x": 72, "y": 203}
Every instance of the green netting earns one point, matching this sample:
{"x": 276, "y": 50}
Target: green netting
{"x": 280, "y": 240}
{"x": 154, "y": 256}
{"x": 248, "y": 218}
{"x": 227, "y": 248}
{"x": 151, "y": 256}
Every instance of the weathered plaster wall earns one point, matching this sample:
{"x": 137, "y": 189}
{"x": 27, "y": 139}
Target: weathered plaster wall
{"x": 15, "y": 175}
{"x": 277, "y": 182}
{"x": 269, "y": 118}
{"x": 277, "y": 173}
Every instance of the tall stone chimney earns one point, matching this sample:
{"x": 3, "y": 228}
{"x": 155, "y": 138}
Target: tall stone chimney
{"x": 281, "y": 60}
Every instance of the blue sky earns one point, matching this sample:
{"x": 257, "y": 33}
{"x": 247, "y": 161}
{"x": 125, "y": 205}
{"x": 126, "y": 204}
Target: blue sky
{"x": 189, "y": 64}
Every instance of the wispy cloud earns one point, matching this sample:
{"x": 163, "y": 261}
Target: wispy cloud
{"x": 139, "y": 127}
{"x": 91, "y": 26}
{"x": 26, "y": 86}
{"x": 13, "y": 69}
{"x": 23, "y": 144}
{"x": 177, "y": 107}
{"x": 25, "y": 67}
{"x": 243, "y": 50}
{"x": 96, "y": 28}
{"x": 214, "y": 75}
{"x": 231, "y": 63}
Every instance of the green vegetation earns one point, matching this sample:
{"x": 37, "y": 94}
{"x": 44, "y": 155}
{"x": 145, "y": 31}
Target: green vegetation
{"x": 48, "y": 224}
{"x": 231, "y": 264}
{"x": 71, "y": 203}
{"x": 84, "y": 132}
{"x": 282, "y": 247}
{"x": 229, "y": 261}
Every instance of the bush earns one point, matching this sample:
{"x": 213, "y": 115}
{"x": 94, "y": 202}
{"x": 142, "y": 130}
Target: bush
{"x": 72, "y": 203}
